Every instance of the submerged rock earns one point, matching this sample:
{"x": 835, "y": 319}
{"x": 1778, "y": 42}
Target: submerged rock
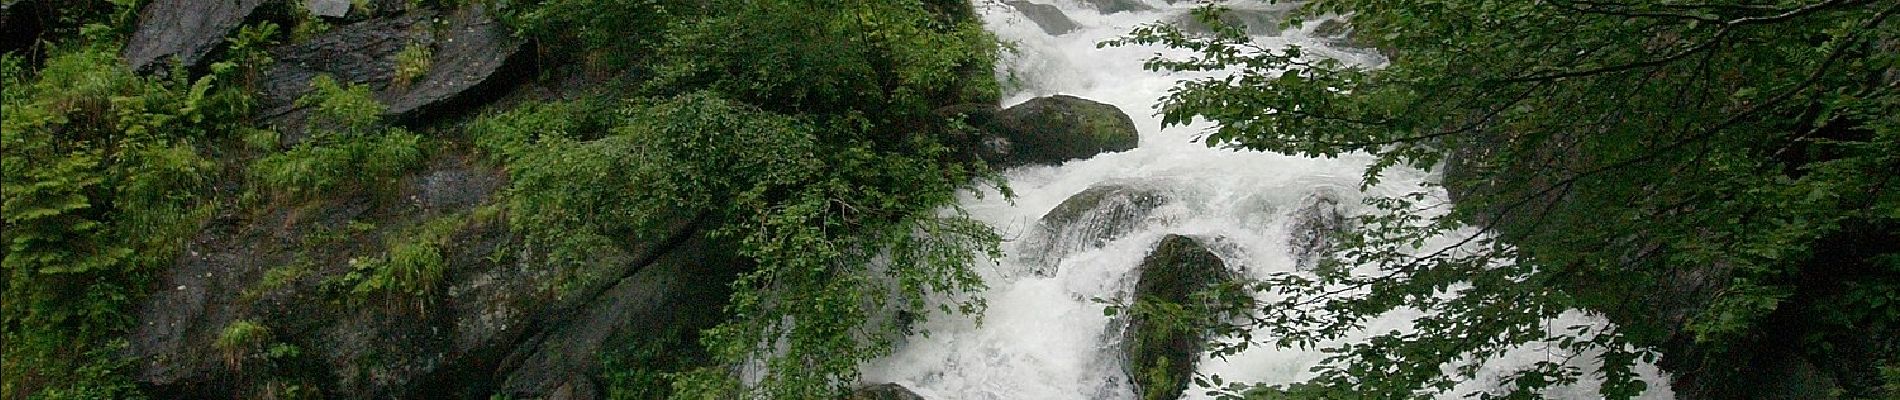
{"x": 1255, "y": 21}
{"x": 1162, "y": 352}
{"x": 884, "y": 391}
{"x": 185, "y": 30}
{"x": 1048, "y": 17}
{"x": 1315, "y": 230}
{"x": 1116, "y": 6}
{"x": 1087, "y": 220}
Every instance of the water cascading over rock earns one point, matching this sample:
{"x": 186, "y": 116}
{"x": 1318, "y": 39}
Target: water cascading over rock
{"x": 1087, "y": 220}
{"x": 1316, "y": 225}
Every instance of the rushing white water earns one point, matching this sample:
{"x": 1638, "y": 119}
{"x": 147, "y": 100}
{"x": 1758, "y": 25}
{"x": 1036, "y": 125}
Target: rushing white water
{"x": 1045, "y": 336}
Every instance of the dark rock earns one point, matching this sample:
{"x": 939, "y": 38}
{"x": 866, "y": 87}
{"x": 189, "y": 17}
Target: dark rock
{"x": 1089, "y": 219}
{"x": 1316, "y": 226}
{"x": 1331, "y": 28}
{"x": 494, "y": 316}
{"x": 1161, "y": 353}
{"x": 362, "y": 53}
{"x": 1054, "y": 129}
{"x": 19, "y": 27}
{"x": 186, "y": 30}
{"x": 471, "y": 53}
{"x": 885, "y": 391}
{"x": 683, "y": 289}
{"x": 1116, "y": 6}
{"x": 454, "y": 187}
{"x": 1047, "y": 17}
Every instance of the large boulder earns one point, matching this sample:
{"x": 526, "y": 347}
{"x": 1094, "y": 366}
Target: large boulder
{"x": 1043, "y": 130}
{"x": 185, "y": 30}
{"x": 1087, "y": 220}
{"x": 460, "y": 61}
{"x": 1162, "y": 352}
{"x": 885, "y": 391}
{"x": 1047, "y": 17}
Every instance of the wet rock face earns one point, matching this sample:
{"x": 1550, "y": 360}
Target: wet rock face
{"x": 886, "y": 391}
{"x": 1316, "y": 227}
{"x": 1048, "y": 17}
{"x": 1161, "y": 353}
{"x": 683, "y": 289}
{"x": 472, "y": 51}
{"x": 1088, "y": 220}
{"x": 186, "y": 30}
{"x": 495, "y": 324}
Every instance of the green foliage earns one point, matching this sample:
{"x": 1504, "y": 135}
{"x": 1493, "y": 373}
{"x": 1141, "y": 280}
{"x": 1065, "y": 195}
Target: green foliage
{"x": 345, "y": 150}
{"x": 813, "y": 219}
{"x": 607, "y": 32}
{"x": 508, "y": 136}
{"x": 894, "y": 61}
{"x": 643, "y": 371}
{"x": 276, "y": 279}
{"x": 1725, "y": 165}
{"x": 102, "y": 168}
{"x": 412, "y": 62}
{"x": 412, "y": 269}
{"x": 239, "y": 339}
{"x": 801, "y": 132}
{"x": 242, "y": 334}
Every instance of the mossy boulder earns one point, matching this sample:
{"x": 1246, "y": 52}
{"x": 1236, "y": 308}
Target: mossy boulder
{"x": 1054, "y": 129}
{"x": 1090, "y": 219}
{"x": 1162, "y": 341}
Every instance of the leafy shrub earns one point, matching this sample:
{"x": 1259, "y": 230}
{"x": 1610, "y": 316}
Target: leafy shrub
{"x": 411, "y": 269}
{"x": 507, "y": 136}
{"x": 893, "y": 61}
{"x": 412, "y": 62}
{"x": 238, "y": 339}
{"x": 101, "y": 170}
{"x": 345, "y": 150}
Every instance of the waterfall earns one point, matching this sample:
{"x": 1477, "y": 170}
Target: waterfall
{"x": 1045, "y": 335}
